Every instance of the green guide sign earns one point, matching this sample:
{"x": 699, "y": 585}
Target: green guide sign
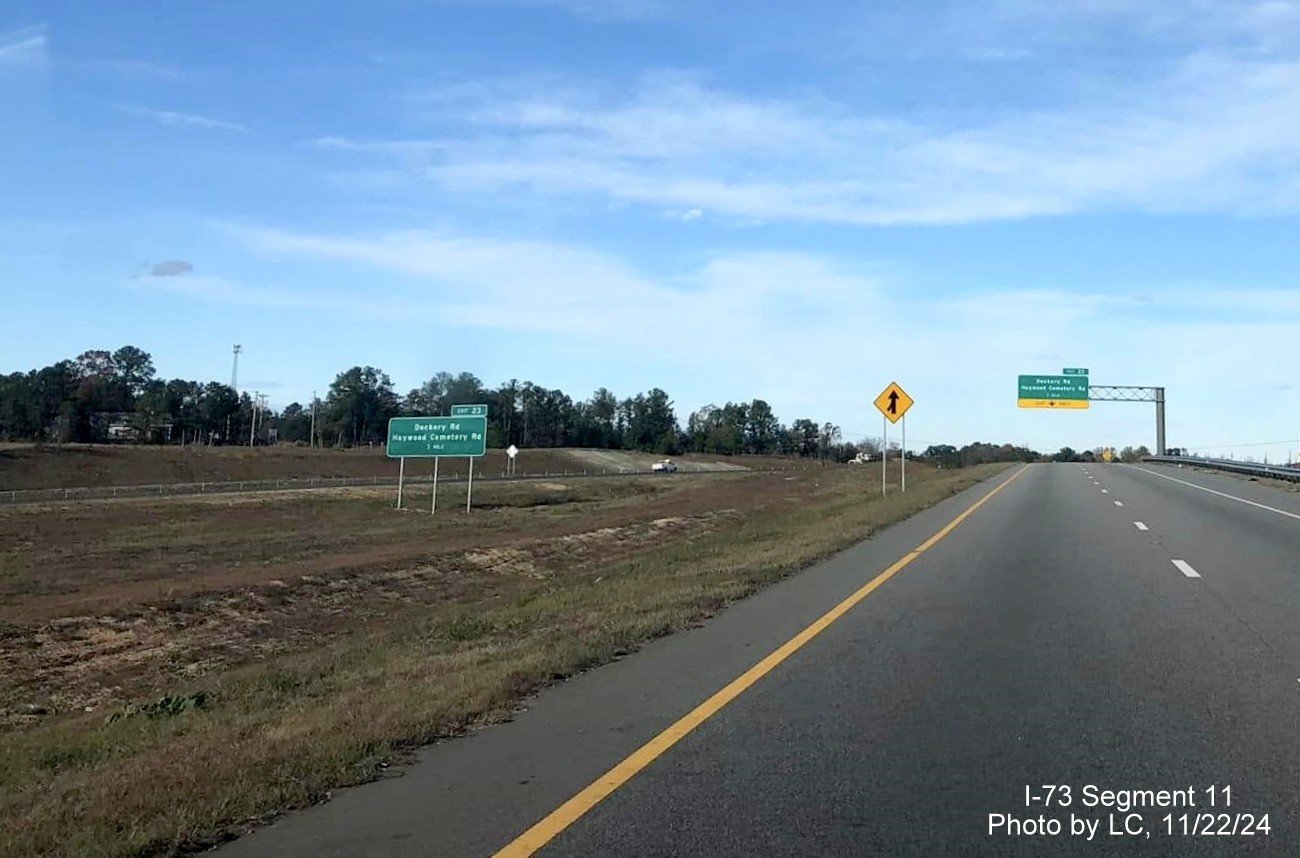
{"x": 436, "y": 436}
{"x": 1052, "y": 391}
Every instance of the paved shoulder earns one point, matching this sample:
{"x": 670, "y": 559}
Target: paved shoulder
{"x": 1194, "y": 479}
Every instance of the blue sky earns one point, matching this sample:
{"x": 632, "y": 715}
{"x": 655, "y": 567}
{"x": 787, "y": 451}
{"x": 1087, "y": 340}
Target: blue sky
{"x": 800, "y": 202}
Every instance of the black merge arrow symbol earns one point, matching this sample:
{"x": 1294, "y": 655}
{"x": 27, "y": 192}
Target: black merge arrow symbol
{"x": 893, "y": 402}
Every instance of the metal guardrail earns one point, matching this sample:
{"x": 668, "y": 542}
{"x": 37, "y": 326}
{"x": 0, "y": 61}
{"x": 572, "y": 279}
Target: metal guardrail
{"x": 1275, "y": 472}
{"x": 18, "y": 496}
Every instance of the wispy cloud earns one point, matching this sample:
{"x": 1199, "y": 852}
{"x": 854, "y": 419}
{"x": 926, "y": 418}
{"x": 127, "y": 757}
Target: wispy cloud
{"x": 182, "y": 120}
{"x": 1215, "y": 135}
{"x": 132, "y": 68}
{"x": 595, "y": 10}
{"x": 564, "y": 289}
{"x": 1000, "y": 55}
{"x": 601, "y": 10}
{"x": 224, "y": 291}
{"x": 1268, "y": 25}
{"x": 403, "y": 148}
{"x": 171, "y": 268}
{"x": 24, "y": 48}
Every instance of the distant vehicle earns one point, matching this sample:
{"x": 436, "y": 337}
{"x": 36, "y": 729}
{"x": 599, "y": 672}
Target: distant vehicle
{"x": 860, "y": 459}
{"x": 666, "y": 466}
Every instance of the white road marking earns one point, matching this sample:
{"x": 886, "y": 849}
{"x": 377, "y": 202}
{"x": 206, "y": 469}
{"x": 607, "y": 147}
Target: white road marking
{"x": 1119, "y": 503}
{"x": 1105, "y": 491}
{"x": 1186, "y": 569}
{"x": 1140, "y": 526}
{"x": 1223, "y": 494}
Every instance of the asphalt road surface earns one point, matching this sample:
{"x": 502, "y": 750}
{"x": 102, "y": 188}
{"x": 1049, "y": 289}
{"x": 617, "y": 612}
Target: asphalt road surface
{"x": 1114, "y": 646}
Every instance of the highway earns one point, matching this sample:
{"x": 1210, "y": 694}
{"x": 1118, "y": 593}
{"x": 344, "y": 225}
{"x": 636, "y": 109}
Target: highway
{"x": 1053, "y": 646}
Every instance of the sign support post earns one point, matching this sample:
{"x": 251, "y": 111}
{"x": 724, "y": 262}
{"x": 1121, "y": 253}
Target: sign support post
{"x": 401, "y": 478}
{"x": 884, "y": 453}
{"x": 1134, "y": 393}
{"x": 469, "y": 492}
{"x": 433, "y": 505}
{"x": 904, "y": 459}
{"x": 1160, "y": 421}
{"x": 893, "y": 404}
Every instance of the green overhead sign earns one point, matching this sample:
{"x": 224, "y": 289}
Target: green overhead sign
{"x": 1053, "y": 391}
{"x": 410, "y": 437}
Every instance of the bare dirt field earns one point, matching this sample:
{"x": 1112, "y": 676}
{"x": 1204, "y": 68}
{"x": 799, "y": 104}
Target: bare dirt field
{"x": 27, "y": 466}
{"x": 172, "y": 671}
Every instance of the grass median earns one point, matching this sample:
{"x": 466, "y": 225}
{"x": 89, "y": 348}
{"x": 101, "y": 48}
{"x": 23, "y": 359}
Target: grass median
{"x": 231, "y": 745}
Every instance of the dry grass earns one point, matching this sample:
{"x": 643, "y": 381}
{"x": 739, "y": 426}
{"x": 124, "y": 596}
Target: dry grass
{"x": 28, "y": 466}
{"x": 423, "y": 650}
{"x": 1287, "y": 486}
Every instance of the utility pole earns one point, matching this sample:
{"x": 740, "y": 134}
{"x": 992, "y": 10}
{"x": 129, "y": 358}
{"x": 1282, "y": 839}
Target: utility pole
{"x": 313, "y": 418}
{"x": 252, "y": 430}
{"x": 234, "y": 370}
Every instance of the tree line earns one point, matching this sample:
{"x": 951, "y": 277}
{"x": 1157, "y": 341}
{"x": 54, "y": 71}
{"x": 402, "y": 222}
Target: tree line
{"x": 1128, "y": 454}
{"x": 104, "y": 396}
{"x": 101, "y": 395}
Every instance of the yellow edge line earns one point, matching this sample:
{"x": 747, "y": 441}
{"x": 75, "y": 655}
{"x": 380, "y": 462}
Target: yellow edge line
{"x": 575, "y": 808}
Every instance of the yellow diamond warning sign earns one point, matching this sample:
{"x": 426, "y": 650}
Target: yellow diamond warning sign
{"x": 893, "y": 402}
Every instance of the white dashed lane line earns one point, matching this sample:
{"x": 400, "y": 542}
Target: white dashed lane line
{"x": 1181, "y": 565}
